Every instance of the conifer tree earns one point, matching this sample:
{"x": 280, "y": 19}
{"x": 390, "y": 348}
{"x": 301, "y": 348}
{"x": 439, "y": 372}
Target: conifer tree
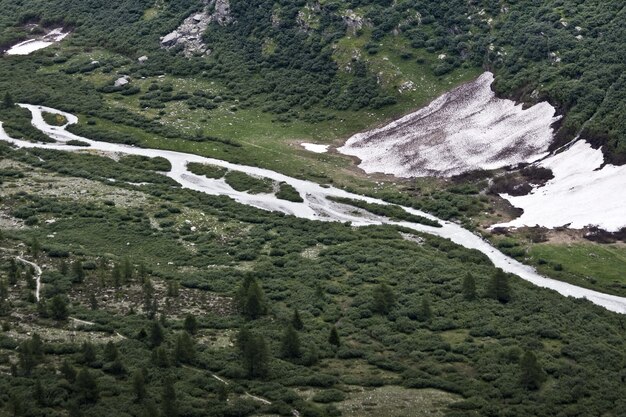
{"x": 78, "y": 273}
{"x": 254, "y": 354}
{"x": 190, "y": 324}
{"x": 384, "y": 299}
{"x": 532, "y": 375}
{"x": 425, "y": 310}
{"x": 156, "y": 334}
{"x": 184, "y": 350}
{"x": 469, "y": 287}
{"x": 251, "y": 299}
{"x": 68, "y": 371}
{"x": 139, "y": 385}
{"x": 58, "y": 308}
{"x": 88, "y": 351}
{"x": 296, "y": 321}
{"x": 499, "y": 287}
{"x": 333, "y": 337}
{"x": 111, "y": 353}
{"x": 169, "y": 408}
{"x": 86, "y": 386}
{"x": 290, "y": 344}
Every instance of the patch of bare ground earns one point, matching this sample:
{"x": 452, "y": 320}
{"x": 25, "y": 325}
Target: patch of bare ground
{"x": 130, "y": 298}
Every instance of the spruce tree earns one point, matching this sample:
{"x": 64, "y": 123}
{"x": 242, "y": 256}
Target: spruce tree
{"x": 86, "y": 386}
{"x": 532, "y": 376}
{"x": 290, "y": 344}
{"x": 190, "y": 324}
{"x": 111, "y": 353}
{"x": 296, "y": 321}
{"x": 156, "y": 334}
{"x": 499, "y": 287}
{"x": 88, "y": 351}
{"x": 184, "y": 350}
{"x": 254, "y": 354}
{"x": 469, "y": 287}
{"x": 58, "y": 308}
{"x": 251, "y": 299}
{"x": 425, "y": 310}
{"x": 169, "y": 408}
{"x": 139, "y": 385}
{"x": 383, "y": 299}
{"x": 68, "y": 371}
{"x": 78, "y": 273}
{"x": 333, "y": 337}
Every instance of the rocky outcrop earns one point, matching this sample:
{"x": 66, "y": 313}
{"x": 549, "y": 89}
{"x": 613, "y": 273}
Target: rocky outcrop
{"x": 189, "y": 34}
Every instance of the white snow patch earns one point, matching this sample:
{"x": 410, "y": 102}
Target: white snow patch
{"x": 465, "y": 129}
{"x": 579, "y": 195}
{"x": 32, "y": 45}
{"x": 314, "y": 147}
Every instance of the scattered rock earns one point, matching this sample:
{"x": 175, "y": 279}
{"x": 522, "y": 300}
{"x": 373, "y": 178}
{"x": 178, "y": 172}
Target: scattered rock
{"x": 122, "y": 81}
{"x": 189, "y": 34}
{"x": 142, "y": 59}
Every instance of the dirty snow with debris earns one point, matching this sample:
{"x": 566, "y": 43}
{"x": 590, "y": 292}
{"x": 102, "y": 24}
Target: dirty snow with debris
{"x": 466, "y": 129}
{"x": 582, "y": 193}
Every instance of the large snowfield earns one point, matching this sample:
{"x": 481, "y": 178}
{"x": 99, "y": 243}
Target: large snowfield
{"x": 580, "y": 194}
{"x": 463, "y": 130}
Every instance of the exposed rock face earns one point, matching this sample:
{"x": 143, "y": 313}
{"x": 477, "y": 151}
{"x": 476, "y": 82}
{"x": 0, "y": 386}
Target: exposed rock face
{"x": 189, "y": 33}
{"x": 122, "y": 81}
{"x": 353, "y": 21}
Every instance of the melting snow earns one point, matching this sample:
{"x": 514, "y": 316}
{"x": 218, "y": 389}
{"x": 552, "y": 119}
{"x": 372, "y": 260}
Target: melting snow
{"x": 314, "y": 147}
{"x": 463, "y": 130}
{"x": 315, "y": 206}
{"x": 579, "y": 195}
{"x": 32, "y": 45}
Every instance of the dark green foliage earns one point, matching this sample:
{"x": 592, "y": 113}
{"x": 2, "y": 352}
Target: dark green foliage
{"x": 184, "y": 349}
{"x": 532, "y": 375}
{"x": 254, "y": 354}
{"x": 290, "y": 344}
{"x": 169, "y": 406}
{"x": 296, "y": 321}
{"x": 209, "y": 171}
{"x": 289, "y": 193}
{"x": 157, "y": 334}
{"x": 58, "y": 308}
{"x": 498, "y": 288}
{"x": 243, "y": 182}
{"x": 391, "y": 211}
{"x": 383, "y": 299}
{"x": 251, "y": 299}
{"x": 469, "y": 287}
{"x": 333, "y": 337}
{"x": 86, "y": 387}
{"x": 190, "y": 324}
{"x": 139, "y": 385}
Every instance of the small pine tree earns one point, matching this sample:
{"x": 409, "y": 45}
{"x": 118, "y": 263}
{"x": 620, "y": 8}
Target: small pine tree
{"x": 127, "y": 270}
{"x": 93, "y": 301}
{"x": 251, "y": 299}
{"x": 296, "y": 321}
{"x": 149, "y": 302}
{"x": 184, "y": 350}
{"x": 333, "y": 337}
{"x": 68, "y": 371}
{"x": 88, "y": 351}
{"x": 169, "y": 408}
{"x": 532, "y": 375}
{"x": 86, "y": 386}
{"x": 7, "y": 101}
{"x": 499, "y": 287}
{"x": 35, "y": 247}
{"x": 111, "y": 353}
{"x": 139, "y": 385}
{"x": 383, "y": 299}
{"x": 290, "y": 344}
{"x": 58, "y": 308}
{"x": 190, "y": 324}
{"x": 116, "y": 276}
{"x": 39, "y": 394}
{"x": 78, "y": 273}
{"x": 255, "y": 354}
{"x": 156, "y": 334}
{"x": 425, "y": 310}
{"x": 469, "y": 287}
